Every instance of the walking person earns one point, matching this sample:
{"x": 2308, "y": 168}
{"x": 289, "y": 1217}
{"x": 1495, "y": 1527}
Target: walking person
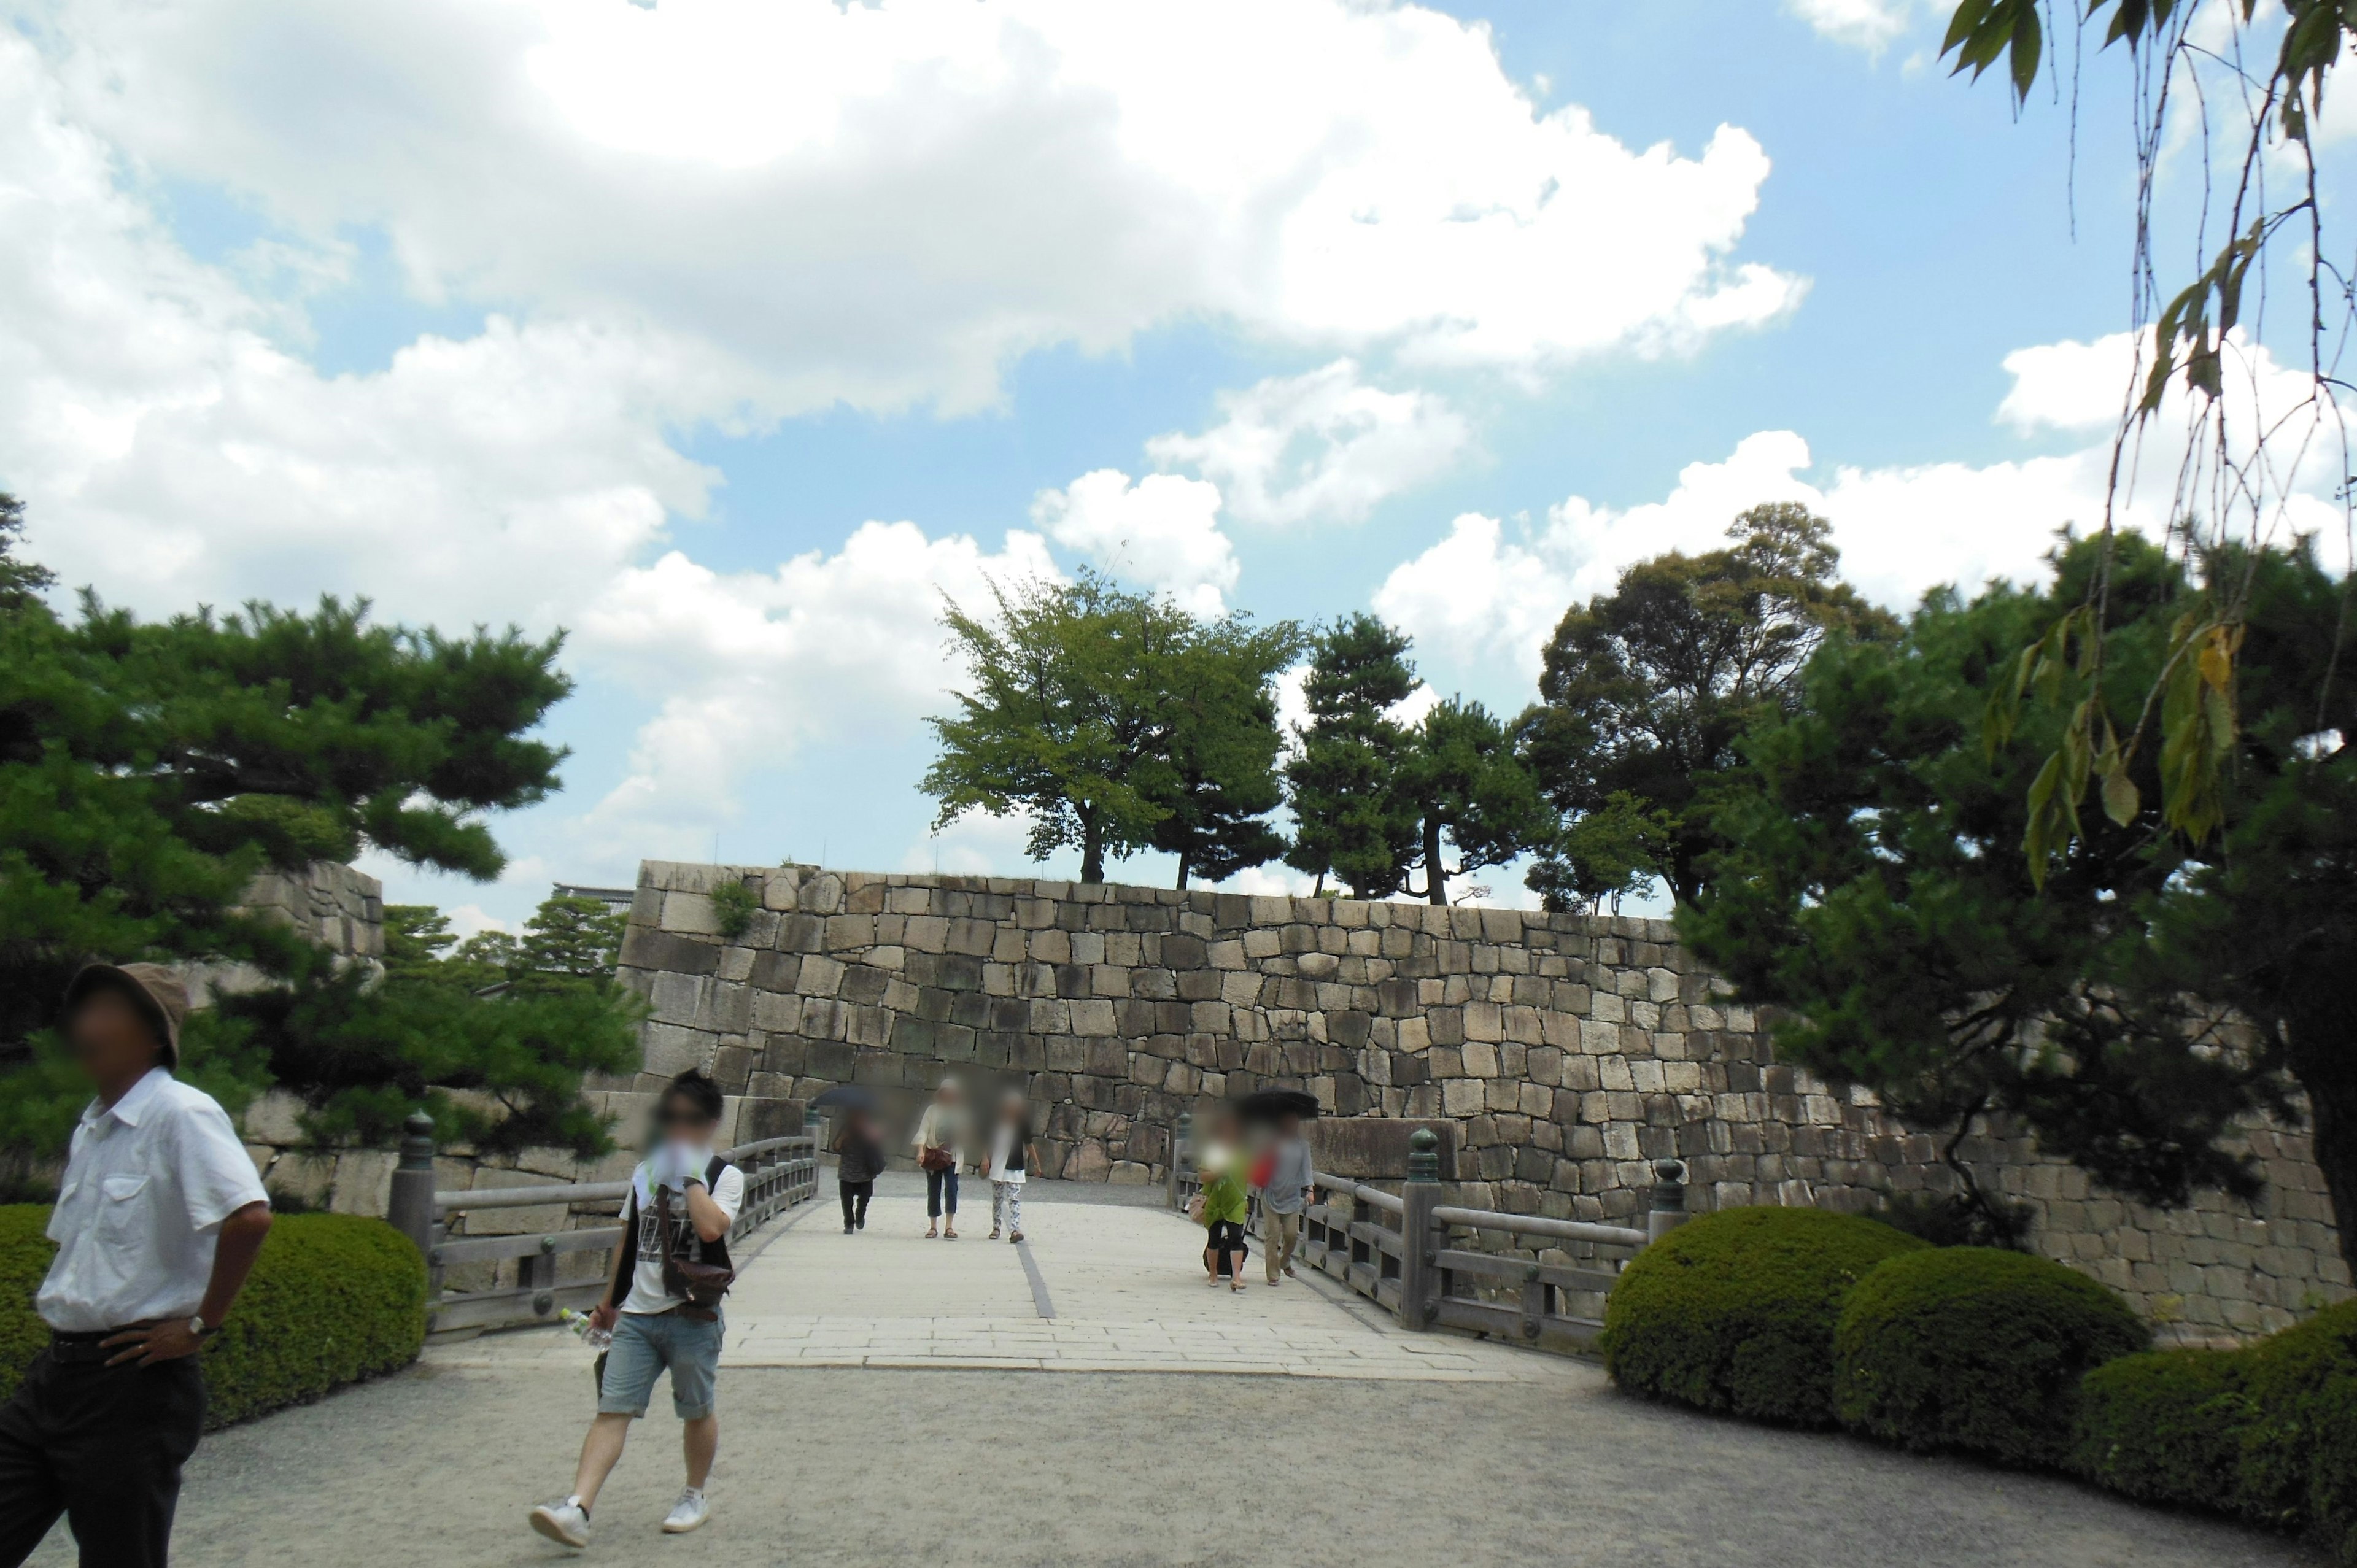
{"x": 1013, "y": 1156}
{"x": 1283, "y": 1194}
{"x": 158, "y": 1219}
{"x": 662, "y": 1307}
{"x": 941, "y": 1150}
{"x": 859, "y": 1160}
{"x": 1225, "y": 1205}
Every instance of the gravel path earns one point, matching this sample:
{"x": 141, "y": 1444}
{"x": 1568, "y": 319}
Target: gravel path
{"x": 1270, "y": 1449}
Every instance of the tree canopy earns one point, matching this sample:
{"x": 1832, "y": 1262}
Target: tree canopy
{"x": 1343, "y": 782}
{"x": 150, "y": 770}
{"x": 2150, "y": 991}
{"x": 1646, "y": 690}
{"x": 1462, "y": 784}
{"x": 1116, "y": 722}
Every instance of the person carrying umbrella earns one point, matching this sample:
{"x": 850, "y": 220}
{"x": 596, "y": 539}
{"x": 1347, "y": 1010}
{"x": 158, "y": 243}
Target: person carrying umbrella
{"x": 859, "y": 1160}
{"x": 1285, "y": 1193}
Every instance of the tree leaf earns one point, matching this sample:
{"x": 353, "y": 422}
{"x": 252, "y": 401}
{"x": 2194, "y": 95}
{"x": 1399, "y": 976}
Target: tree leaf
{"x": 2121, "y": 800}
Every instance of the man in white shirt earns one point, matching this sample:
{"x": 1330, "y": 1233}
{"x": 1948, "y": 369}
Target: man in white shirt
{"x": 660, "y": 1320}
{"x": 157, "y": 1223}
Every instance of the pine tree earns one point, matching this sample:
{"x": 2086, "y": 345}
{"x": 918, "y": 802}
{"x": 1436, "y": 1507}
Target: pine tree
{"x": 1342, "y": 782}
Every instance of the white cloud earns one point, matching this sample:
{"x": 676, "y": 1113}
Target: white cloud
{"x": 752, "y": 666}
{"x": 1488, "y": 591}
{"x": 885, "y": 203}
{"x": 1321, "y": 446}
{"x": 1162, "y": 534}
{"x": 1869, "y": 24}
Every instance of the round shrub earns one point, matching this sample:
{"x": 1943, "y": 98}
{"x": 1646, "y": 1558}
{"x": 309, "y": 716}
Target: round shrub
{"x": 2297, "y": 1432}
{"x": 2165, "y": 1426}
{"x": 333, "y": 1298}
{"x": 1974, "y": 1349}
{"x": 1735, "y": 1311}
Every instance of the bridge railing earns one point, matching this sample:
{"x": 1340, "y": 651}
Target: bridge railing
{"x": 1395, "y": 1250}
{"x": 778, "y": 1174}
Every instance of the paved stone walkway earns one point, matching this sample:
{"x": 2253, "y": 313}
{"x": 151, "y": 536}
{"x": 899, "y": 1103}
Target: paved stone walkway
{"x": 857, "y": 1429}
{"x": 1111, "y": 1287}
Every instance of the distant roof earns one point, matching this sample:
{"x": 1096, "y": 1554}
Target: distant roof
{"x": 621, "y": 897}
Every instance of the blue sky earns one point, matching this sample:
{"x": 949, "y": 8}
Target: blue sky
{"x": 634, "y": 322}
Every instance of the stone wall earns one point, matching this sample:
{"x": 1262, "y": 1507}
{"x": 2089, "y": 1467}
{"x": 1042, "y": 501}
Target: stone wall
{"x": 1569, "y": 1052}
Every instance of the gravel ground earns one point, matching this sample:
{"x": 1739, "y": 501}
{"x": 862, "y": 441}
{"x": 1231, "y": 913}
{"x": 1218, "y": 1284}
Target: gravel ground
{"x": 991, "y": 1468}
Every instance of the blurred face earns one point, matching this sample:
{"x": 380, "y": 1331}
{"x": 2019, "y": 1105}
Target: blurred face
{"x": 112, "y": 1038}
{"x": 1289, "y": 1124}
{"x": 683, "y": 1121}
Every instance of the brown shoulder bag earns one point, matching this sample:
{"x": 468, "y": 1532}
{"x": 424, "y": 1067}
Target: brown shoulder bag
{"x": 701, "y": 1284}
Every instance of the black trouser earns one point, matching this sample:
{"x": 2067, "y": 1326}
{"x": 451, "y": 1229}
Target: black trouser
{"x": 941, "y": 1191}
{"x": 1227, "y": 1237}
{"x": 103, "y": 1446}
{"x": 849, "y": 1191}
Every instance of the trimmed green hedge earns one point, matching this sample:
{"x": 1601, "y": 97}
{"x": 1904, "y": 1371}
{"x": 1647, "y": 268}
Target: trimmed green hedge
{"x": 2268, "y": 1433}
{"x": 333, "y": 1298}
{"x": 1735, "y": 1311}
{"x": 1975, "y": 1348}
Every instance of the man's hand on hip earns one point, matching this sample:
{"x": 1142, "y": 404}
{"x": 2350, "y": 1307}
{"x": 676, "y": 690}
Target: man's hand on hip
{"x": 145, "y": 1346}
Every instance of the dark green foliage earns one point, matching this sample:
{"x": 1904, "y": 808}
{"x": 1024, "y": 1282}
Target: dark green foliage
{"x": 1216, "y": 780}
{"x": 149, "y": 771}
{"x": 21, "y": 582}
{"x": 1342, "y": 783}
{"x": 520, "y": 1021}
{"x": 733, "y": 903}
{"x": 25, "y": 1254}
{"x": 1949, "y": 1220}
{"x": 2266, "y": 1433}
{"x": 2163, "y": 1426}
{"x": 1646, "y": 691}
{"x": 1110, "y": 717}
{"x": 1975, "y": 1348}
{"x": 1735, "y": 1311}
{"x": 333, "y": 1298}
{"x": 1468, "y": 791}
{"x": 1870, "y": 884}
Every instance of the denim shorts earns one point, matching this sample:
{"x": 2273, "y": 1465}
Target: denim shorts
{"x": 645, "y": 1343}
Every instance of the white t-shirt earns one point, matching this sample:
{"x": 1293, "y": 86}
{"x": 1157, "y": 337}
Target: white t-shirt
{"x": 1002, "y": 1150}
{"x": 150, "y": 1179}
{"x": 647, "y": 1294}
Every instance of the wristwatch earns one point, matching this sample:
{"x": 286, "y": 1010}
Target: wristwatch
{"x": 199, "y": 1328}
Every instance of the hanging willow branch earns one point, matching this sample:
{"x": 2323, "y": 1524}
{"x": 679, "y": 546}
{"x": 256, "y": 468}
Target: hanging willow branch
{"x": 2233, "y": 487}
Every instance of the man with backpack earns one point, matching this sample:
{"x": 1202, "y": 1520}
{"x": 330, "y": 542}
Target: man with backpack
{"x": 662, "y": 1307}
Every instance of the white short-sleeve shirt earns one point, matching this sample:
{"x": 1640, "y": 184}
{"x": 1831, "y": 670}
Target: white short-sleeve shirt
{"x": 647, "y": 1294}
{"x": 148, "y": 1182}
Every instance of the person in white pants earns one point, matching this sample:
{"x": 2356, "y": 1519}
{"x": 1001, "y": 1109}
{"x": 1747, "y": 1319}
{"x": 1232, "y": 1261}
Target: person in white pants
{"x": 1013, "y": 1156}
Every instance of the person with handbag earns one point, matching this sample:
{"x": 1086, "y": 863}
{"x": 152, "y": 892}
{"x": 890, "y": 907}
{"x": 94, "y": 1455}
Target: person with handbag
{"x": 663, "y": 1306}
{"x": 941, "y": 1150}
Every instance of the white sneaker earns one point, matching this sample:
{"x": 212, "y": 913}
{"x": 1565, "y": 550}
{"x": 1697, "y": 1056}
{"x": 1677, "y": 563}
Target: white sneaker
{"x": 564, "y": 1520}
{"x": 687, "y": 1514}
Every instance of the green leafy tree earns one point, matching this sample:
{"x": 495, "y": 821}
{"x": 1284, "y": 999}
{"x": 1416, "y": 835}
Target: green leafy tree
{"x": 1219, "y": 781}
{"x": 1079, "y": 716}
{"x": 1604, "y": 855}
{"x": 491, "y": 1035}
{"x": 2252, "y": 79}
{"x": 1342, "y": 782}
{"x": 2146, "y": 993}
{"x": 1646, "y": 691}
{"x": 150, "y": 770}
{"x": 21, "y": 581}
{"x": 1468, "y": 792}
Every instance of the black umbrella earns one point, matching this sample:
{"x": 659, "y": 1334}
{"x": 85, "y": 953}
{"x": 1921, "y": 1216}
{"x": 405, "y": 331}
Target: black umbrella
{"x": 846, "y": 1097}
{"x": 1270, "y": 1104}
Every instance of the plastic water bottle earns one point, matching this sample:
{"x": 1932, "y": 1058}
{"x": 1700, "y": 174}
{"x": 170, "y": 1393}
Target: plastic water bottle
{"x": 581, "y": 1324}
